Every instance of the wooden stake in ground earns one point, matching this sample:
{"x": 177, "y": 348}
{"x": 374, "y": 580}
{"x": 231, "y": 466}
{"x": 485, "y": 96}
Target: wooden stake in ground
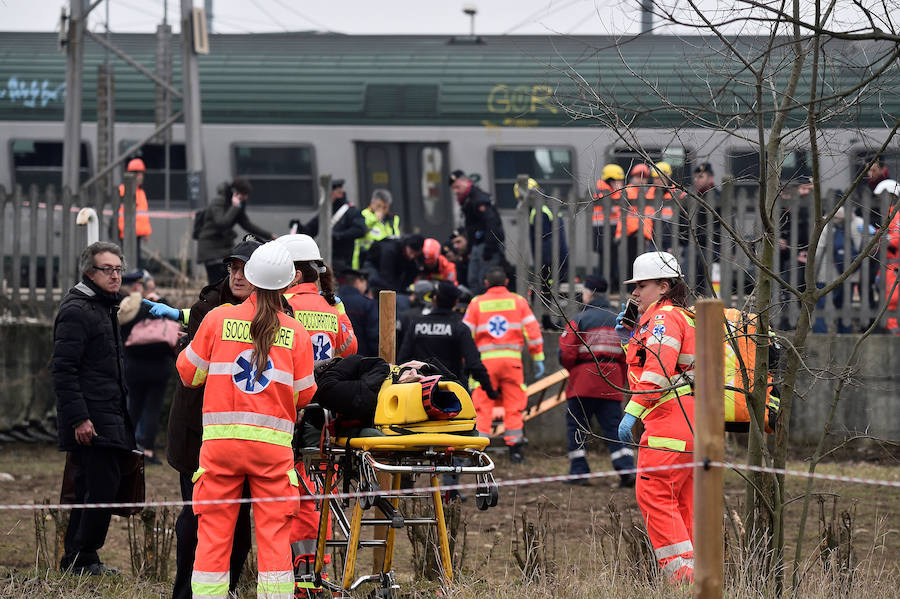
{"x": 709, "y": 446}
{"x": 387, "y": 351}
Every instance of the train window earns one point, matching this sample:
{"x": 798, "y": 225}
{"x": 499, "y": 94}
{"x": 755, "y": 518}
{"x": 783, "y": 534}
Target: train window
{"x": 280, "y": 175}
{"x": 550, "y": 167}
{"x": 40, "y": 163}
{"x": 154, "y": 157}
{"x": 744, "y": 165}
{"x": 680, "y": 159}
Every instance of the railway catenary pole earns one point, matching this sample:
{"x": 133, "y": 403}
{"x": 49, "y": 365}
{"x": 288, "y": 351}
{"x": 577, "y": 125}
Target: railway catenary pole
{"x": 193, "y": 123}
{"x": 74, "y": 63}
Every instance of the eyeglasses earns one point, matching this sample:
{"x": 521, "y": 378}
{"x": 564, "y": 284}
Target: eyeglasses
{"x": 109, "y": 270}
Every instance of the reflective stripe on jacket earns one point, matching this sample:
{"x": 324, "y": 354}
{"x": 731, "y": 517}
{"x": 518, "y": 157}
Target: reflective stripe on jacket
{"x": 141, "y": 217}
{"x": 503, "y": 324}
{"x": 376, "y": 230}
{"x": 329, "y": 328}
{"x": 598, "y": 217}
{"x": 239, "y": 402}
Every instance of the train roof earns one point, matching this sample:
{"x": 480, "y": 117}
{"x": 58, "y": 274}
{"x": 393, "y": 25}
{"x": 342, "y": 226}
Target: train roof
{"x": 504, "y": 81}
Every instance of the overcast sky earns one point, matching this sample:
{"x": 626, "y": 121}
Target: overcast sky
{"x": 591, "y": 17}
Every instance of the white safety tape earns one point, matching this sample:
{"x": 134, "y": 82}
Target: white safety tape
{"x": 459, "y": 487}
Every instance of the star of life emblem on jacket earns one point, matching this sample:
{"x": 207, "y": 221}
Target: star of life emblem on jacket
{"x": 321, "y": 345}
{"x": 245, "y": 377}
{"x": 497, "y": 326}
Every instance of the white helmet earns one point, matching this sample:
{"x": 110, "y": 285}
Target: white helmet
{"x": 888, "y": 185}
{"x": 654, "y": 265}
{"x": 270, "y": 267}
{"x": 302, "y": 248}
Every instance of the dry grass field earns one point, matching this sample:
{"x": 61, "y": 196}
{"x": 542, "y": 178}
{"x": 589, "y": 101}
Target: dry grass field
{"x": 589, "y": 541}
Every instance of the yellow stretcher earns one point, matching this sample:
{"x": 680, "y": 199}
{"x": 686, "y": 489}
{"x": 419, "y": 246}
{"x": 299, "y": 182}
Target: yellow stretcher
{"x": 403, "y": 445}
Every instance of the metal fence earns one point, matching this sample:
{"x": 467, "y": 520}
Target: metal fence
{"x": 712, "y": 255}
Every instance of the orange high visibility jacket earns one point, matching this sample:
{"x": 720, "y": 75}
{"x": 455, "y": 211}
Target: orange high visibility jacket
{"x": 597, "y": 215}
{"x": 329, "y": 328}
{"x": 142, "y": 214}
{"x": 660, "y": 355}
{"x": 239, "y": 402}
{"x": 893, "y": 244}
{"x": 444, "y": 271}
{"x": 503, "y": 324}
{"x": 633, "y": 219}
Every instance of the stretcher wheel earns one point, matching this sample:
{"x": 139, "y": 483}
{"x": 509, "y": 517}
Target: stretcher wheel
{"x": 368, "y": 500}
{"x": 494, "y": 492}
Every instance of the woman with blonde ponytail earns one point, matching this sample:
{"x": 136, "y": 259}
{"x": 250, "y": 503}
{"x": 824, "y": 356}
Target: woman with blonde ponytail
{"x": 257, "y": 367}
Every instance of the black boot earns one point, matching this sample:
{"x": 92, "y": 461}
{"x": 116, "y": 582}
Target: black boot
{"x": 626, "y": 481}
{"x": 516, "y": 454}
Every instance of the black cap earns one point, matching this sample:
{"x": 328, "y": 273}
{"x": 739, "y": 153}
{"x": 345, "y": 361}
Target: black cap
{"x": 804, "y": 180}
{"x": 457, "y": 174}
{"x": 335, "y": 183}
{"x": 596, "y": 283}
{"x": 703, "y": 167}
{"x": 414, "y": 241}
{"x": 242, "y": 251}
{"x": 132, "y": 277}
{"x": 447, "y": 294}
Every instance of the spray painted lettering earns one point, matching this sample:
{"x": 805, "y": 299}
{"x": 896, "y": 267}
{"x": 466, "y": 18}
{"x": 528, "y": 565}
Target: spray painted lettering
{"x": 504, "y": 99}
{"x": 36, "y": 94}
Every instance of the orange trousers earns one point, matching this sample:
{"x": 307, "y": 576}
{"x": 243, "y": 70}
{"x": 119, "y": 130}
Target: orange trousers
{"x": 269, "y": 469}
{"x": 508, "y": 380}
{"x": 892, "y": 325}
{"x": 666, "y": 497}
{"x": 305, "y": 527}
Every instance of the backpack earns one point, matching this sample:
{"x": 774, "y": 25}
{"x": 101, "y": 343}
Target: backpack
{"x": 740, "y": 359}
{"x": 199, "y": 220}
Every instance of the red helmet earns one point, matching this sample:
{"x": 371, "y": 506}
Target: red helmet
{"x": 431, "y": 250}
{"x": 136, "y": 164}
{"x": 640, "y": 170}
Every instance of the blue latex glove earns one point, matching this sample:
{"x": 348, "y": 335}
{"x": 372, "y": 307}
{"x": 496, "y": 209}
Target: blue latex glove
{"x": 163, "y": 311}
{"x": 622, "y": 331}
{"x": 628, "y": 421}
{"x": 539, "y": 369}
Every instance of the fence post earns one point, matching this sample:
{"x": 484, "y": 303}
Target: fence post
{"x": 324, "y": 235}
{"x": 709, "y": 446}
{"x": 523, "y": 243}
{"x": 387, "y": 351}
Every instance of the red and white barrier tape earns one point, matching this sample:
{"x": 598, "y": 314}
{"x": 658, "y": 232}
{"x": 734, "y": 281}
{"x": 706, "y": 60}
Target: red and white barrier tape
{"x": 459, "y": 487}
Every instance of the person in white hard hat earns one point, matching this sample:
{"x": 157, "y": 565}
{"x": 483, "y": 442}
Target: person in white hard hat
{"x": 660, "y": 361}
{"x": 257, "y": 366}
{"x": 891, "y": 187}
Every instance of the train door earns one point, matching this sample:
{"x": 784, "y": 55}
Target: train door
{"x": 416, "y": 175}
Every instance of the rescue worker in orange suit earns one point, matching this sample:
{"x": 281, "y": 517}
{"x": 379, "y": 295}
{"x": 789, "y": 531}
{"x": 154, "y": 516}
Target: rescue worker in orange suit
{"x": 437, "y": 266}
{"x": 257, "y": 365}
{"x": 637, "y": 220}
{"x": 589, "y": 349}
{"x": 142, "y": 209}
{"x": 666, "y": 197}
{"x": 503, "y": 325}
{"x": 331, "y": 335}
{"x": 609, "y": 185}
{"x": 660, "y": 358}
{"x": 893, "y": 254}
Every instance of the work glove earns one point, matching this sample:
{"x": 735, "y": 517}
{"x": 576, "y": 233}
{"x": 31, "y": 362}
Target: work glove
{"x": 628, "y": 421}
{"x": 622, "y": 331}
{"x": 539, "y": 369}
{"x": 163, "y": 311}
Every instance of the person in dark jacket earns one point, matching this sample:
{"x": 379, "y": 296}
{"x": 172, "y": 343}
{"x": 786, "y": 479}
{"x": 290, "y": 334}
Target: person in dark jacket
{"x": 484, "y": 229}
{"x": 441, "y": 337}
{"x": 186, "y": 431}
{"x": 347, "y": 225}
{"x": 217, "y": 234}
{"x": 592, "y": 353}
{"x": 394, "y": 264}
{"x": 362, "y": 310}
{"x": 88, "y": 372}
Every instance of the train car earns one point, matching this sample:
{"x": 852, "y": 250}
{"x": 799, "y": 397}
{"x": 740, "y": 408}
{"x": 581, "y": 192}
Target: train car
{"x": 402, "y": 112}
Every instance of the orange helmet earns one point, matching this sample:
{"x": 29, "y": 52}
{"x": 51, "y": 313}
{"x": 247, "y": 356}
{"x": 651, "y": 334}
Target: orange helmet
{"x": 431, "y": 249}
{"x": 640, "y": 170}
{"x": 136, "y": 164}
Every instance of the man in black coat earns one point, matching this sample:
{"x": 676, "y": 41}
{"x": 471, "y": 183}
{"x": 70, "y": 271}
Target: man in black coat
{"x": 484, "y": 229}
{"x": 362, "y": 310}
{"x": 394, "y": 264}
{"x": 347, "y": 225}
{"x": 88, "y": 372}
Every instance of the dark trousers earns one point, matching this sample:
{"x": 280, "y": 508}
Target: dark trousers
{"x": 186, "y": 542}
{"x": 608, "y": 413}
{"x": 215, "y": 271}
{"x": 96, "y": 481}
{"x": 146, "y": 390}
